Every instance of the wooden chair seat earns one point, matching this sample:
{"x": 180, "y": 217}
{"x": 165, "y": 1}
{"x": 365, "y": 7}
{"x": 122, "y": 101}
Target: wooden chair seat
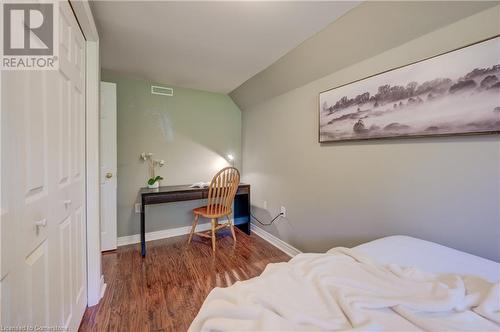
{"x": 221, "y": 194}
{"x": 204, "y": 212}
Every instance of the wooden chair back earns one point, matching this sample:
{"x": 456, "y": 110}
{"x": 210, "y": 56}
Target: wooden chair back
{"x": 222, "y": 190}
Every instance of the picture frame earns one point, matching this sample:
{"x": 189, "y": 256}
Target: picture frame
{"x": 452, "y": 93}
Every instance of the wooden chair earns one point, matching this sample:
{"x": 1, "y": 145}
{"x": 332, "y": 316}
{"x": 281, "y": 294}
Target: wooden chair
{"x": 221, "y": 194}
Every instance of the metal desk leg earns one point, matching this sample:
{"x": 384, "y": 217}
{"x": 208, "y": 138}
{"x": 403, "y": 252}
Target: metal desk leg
{"x": 143, "y": 230}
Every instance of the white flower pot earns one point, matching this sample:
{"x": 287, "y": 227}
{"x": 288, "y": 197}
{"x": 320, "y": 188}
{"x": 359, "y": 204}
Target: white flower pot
{"x": 154, "y": 185}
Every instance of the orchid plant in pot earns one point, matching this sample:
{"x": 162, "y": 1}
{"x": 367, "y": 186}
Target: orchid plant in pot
{"x": 154, "y": 180}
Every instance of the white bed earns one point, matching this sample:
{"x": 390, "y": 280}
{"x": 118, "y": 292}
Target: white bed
{"x": 429, "y": 256}
{"x": 396, "y": 283}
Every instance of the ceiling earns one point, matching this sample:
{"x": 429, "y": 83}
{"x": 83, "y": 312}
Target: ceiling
{"x": 368, "y": 30}
{"x": 213, "y": 46}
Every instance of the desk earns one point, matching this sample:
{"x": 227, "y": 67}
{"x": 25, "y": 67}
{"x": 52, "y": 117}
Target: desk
{"x": 168, "y": 194}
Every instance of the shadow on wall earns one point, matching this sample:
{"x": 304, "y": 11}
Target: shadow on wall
{"x": 265, "y": 217}
{"x": 452, "y": 139}
{"x": 281, "y": 227}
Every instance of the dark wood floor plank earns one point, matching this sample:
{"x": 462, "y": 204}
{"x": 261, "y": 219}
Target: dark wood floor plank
{"x": 164, "y": 291}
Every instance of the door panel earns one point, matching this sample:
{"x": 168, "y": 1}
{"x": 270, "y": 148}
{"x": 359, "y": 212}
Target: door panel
{"x": 107, "y": 159}
{"x": 37, "y": 285}
{"x": 36, "y": 140}
{"x": 7, "y": 304}
{"x": 73, "y": 203}
{"x": 76, "y": 132}
{"x": 79, "y": 253}
{"x": 33, "y": 156}
{"x": 42, "y": 229}
{"x": 66, "y": 271}
{"x": 13, "y": 192}
{"x": 64, "y": 143}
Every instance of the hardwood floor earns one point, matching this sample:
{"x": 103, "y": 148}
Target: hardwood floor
{"x": 165, "y": 290}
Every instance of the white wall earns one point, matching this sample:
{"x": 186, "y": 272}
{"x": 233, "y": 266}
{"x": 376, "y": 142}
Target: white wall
{"x": 445, "y": 190}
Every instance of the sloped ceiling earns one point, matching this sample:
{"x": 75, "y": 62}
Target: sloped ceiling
{"x": 369, "y": 29}
{"x": 214, "y": 46}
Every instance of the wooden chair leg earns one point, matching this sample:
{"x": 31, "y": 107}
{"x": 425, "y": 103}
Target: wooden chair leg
{"x": 214, "y": 223}
{"x": 195, "y": 222}
{"x": 231, "y": 225}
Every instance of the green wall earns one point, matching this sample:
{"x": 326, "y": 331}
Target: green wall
{"x": 192, "y": 131}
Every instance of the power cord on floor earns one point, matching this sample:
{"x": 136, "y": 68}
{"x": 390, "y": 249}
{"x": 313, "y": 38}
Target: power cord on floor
{"x": 260, "y": 222}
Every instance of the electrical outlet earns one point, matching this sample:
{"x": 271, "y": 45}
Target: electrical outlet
{"x": 265, "y": 205}
{"x": 137, "y": 207}
{"x": 283, "y": 212}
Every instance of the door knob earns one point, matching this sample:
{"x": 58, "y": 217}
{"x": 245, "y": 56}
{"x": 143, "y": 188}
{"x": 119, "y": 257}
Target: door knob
{"x": 109, "y": 175}
{"x": 40, "y": 223}
{"x": 67, "y": 202}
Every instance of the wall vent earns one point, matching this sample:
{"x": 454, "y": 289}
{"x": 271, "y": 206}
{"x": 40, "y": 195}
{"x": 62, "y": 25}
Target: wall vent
{"x": 161, "y": 90}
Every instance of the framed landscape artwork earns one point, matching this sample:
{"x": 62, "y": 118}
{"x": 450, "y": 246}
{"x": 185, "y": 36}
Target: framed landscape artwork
{"x": 450, "y": 94}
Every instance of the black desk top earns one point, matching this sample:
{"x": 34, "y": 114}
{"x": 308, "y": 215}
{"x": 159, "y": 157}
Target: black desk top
{"x": 177, "y": 189}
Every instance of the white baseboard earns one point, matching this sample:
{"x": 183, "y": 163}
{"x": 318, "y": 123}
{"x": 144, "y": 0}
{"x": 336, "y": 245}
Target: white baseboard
{"x": 166, "y": 233}
{"x": 278, "y": 243}
{"x": 158, "y": 235}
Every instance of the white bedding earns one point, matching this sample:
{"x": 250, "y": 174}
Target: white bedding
{"x": 429, "y": 256}
{"x": 345, "y": 289}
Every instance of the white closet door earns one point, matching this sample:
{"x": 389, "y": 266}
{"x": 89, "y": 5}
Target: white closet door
{"x": 43, "y": 275}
